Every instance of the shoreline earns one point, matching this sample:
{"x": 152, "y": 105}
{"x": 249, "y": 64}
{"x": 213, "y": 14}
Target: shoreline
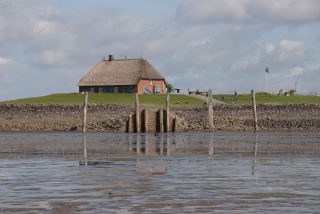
{"x": 113, "y": 117}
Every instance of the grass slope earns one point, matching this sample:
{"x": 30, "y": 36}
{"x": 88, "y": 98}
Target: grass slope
{"x": 177, "y": 101}
{"x": 264, "y": 98}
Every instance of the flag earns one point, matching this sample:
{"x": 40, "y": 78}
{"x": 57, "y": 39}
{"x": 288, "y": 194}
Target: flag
{"x": 267, "y": 69}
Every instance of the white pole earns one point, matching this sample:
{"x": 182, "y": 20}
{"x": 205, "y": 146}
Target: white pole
{"x": 266, "y": 81}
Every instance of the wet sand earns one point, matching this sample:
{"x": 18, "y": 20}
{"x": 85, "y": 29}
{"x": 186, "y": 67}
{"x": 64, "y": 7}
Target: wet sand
{"x": 237, "y": 172}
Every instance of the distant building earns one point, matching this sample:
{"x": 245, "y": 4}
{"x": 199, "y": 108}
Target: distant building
{"x": 123, "y": 76}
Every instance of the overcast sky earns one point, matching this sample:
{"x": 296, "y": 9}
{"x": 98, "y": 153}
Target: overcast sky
{"x": 46, "y": 46}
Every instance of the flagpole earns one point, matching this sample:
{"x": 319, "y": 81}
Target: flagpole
{"x": 266, "y": 81}
{"x": 267, "y": 71}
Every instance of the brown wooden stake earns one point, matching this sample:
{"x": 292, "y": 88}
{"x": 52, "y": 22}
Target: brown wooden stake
{"x": 130, "y": 124}
{"x": 210, "y": 110}
{"x": 167, "y": 112}
{"x": 85, "y": 104}
{"x": 137, "y": 114}
{"x": 254, "y": 106}
{"x": 175, "y": 123}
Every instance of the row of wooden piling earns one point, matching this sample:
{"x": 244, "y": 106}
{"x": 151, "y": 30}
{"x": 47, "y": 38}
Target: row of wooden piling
{"x": 162, "y": 116}
{"x": 167, "y": 114}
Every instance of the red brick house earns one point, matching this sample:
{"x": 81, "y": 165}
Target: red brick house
{"x": 123, "y": 76}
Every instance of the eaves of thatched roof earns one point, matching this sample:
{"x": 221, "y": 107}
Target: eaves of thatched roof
{"x": 120, "y": 72}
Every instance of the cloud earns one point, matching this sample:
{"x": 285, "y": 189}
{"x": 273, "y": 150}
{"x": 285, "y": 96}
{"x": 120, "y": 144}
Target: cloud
{"x": 55, "y": 47}
{"x": 52, "y": 58}
{"x": 269, "y": 48}
{"x": 246, "y": 62}
{"x": 249, "y": 10}
{"x": 213, "y": 10}
{"x": 5, "y": 61}
{"x": 289, "y": 49}
{"x": 296, "y": 71}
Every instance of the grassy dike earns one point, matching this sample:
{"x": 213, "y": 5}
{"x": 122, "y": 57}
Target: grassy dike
{"x": 176, "y": 101}
{"x": 265, "y": 98}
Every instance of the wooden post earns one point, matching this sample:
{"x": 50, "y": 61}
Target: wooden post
{"x": 137, "y": 114}
{"x": 174, "y": 127}
{"x": 210, "y": 110}
{"x": 130, "y": 130}
{"x": 254, "y": 106}
{"x": 146, "y": 119}
{"x": 85, "y": 104}
{"x": 167, "y": 112}
{"x": 161, "y": 120}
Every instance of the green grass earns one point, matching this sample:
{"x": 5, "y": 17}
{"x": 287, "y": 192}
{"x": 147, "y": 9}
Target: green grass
{"x": 265, "y": 98}
{"x": 176, "y": 101}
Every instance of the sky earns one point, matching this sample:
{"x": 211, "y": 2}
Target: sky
{"x": 46, "y": 46}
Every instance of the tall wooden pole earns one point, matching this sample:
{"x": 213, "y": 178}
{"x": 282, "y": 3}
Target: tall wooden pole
{"x": 167, "y": 112}
{"x": 137, "y": 114}
{"x": 85, "y": 104}
{"x": 210, "y": 110}
{"x": 254, "y": 106}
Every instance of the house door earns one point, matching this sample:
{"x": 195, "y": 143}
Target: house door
{"x": 154, "y": 89}
{"x": 115, "y": 89}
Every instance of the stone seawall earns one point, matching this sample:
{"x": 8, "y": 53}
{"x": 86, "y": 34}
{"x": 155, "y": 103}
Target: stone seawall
{"x": 27, "y": 117}
{"x": 227, "y": 117}
{"x": 113, "y": 118}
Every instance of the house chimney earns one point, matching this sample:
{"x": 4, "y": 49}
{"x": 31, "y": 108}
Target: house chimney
{"x": 111, "y": 57}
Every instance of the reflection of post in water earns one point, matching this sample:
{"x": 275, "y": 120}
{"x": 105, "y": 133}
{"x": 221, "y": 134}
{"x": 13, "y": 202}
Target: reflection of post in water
{"x": 138, "y": 143}
{"x": 161, "y": 145}
{"x": 84, "y": 139}
{"x": 146, "y": 144}
{"x": 211, "y": 145}
{"x": 168, "y": 144}
{"x": 130, "y": 141}
{"x": 255, "y": 153}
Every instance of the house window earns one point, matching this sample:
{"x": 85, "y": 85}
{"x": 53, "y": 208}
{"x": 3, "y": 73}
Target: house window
{"x": 158, "y": 89}
{"x": 145, "y": 89}
{"x": 127, "y": 89}
{"x": 151, "y": 82}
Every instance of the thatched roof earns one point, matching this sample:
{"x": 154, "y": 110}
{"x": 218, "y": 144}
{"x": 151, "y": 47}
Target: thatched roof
{"x": 120, "y": 72}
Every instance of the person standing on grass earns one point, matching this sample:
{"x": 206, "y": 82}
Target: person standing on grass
{"x": 235, "y": 96}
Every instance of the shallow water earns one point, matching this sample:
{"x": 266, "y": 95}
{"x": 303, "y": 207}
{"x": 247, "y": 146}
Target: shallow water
{"x": 223, "y": 172}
